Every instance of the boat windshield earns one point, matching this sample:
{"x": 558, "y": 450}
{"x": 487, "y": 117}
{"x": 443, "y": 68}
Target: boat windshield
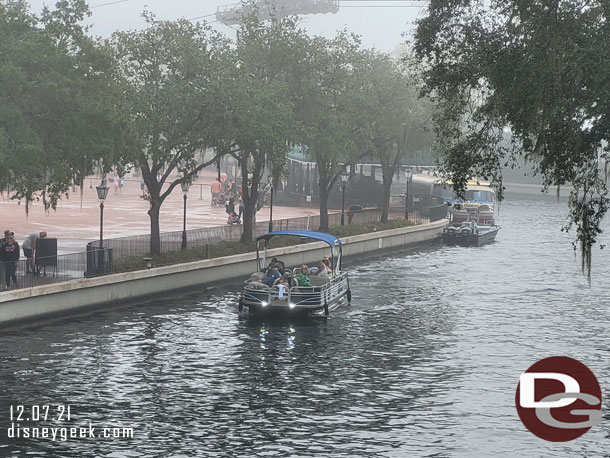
{"x": 480, "y": 196}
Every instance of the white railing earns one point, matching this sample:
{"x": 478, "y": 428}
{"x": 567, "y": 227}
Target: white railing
{"x": 308, "y": 297}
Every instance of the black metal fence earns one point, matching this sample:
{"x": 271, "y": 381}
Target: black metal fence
{"x": 55, "y": 269}
{"x": 96, "y": 261}
{"x": 172, "y": 241}
{"x": 437, "y": 213}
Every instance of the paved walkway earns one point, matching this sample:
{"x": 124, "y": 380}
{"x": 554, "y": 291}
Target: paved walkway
{"x": 75, "y": 223}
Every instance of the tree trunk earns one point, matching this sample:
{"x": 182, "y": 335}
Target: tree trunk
{"x": 248, "y": 222}
{"x": 323, "y": 209}
{"x": 249, "y": 196}
{"x": 385, "y": 203}
{"x": 387, "y": 173}
{"x": 155, "y": 237}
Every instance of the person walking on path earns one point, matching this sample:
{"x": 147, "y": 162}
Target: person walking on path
{"x": 216, "y": 190}
{"x": 29, "y": 247}
{"x": 9, "y": 255}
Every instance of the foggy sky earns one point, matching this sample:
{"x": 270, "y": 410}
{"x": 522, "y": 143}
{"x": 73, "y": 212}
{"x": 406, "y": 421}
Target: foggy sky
{"x": 380, "y": 27}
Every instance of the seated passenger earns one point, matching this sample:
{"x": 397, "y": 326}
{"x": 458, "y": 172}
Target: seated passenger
{"x": 272, "y": 274}
{"x": 325, "y": 268}
{"x": 280, "y": 266}
{"x": 271, "y": 263}
{"x": 303, "y": 276}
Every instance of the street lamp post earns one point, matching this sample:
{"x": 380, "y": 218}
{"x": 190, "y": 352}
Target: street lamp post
{"x": 408, "y": 175}
{"x": 344, "y": 178}
{"x": 271, "y": 209}
{"x": 185, "y": 185}
{"x": 102, "y": 193}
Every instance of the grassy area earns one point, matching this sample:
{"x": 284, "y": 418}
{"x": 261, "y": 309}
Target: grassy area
{"x": 365, "y": 228}
{"x": 131, "y": 263}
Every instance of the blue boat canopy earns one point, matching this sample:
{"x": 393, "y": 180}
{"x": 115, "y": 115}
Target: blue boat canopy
{"x": 328, "y": 238}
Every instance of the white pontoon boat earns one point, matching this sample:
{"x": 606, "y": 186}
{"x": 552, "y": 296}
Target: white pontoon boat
{"x": 327, "y": 292}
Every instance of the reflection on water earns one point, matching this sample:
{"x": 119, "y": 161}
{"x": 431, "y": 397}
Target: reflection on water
{"x": 425, "y": 363}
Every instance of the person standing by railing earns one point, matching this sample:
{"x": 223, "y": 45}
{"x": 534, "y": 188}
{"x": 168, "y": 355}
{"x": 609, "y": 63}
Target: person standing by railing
{"x": 29, "y": 246}
{"x": 9, "y": 255}
{"x": 353, "y": 209}
{"x": 2, "y": 243}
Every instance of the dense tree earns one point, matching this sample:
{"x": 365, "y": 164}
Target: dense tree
{"x": 536, "y": 72}
{"x": 58, "y": 113}
{"x": 395, "y": 120}
{"x": 259, "y": 120}
{"x": 323, "y": 89}
{"x": 172, "y": 74}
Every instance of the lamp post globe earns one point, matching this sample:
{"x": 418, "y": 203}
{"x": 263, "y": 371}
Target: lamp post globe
{"x": 102, "y": 193}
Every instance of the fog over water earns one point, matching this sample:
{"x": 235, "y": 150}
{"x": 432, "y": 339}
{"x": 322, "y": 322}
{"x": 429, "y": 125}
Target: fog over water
{"x": 425, "y": 362}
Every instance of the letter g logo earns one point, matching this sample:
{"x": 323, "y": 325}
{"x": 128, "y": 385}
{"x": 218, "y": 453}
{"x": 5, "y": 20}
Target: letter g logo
{"x": 558, "y": 399}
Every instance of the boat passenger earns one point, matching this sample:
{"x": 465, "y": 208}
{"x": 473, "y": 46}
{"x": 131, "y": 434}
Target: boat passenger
{"x": 325, "y": 269}
{"x": 303, "y": 276}
{"x": 279, "y": 264}
{"x": 272, "y": 275}
{"x": 271, "y": 264}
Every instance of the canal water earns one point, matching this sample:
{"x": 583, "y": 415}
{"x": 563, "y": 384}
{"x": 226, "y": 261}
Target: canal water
{"x": 424, "y": 363}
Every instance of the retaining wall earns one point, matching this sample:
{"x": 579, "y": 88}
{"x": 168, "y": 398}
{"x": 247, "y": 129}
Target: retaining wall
{"x": 62, "y": 298}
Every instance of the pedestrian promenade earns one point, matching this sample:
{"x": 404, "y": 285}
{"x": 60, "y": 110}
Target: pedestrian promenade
{"x": 125, "y": 214}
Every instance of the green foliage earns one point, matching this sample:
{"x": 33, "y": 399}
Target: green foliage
{"x": 58, "y": 114}
{"x": 395, "y": 121}
{"x": 171, "y": 74}
{"x": 364, "y": 228}
{"x": 324, "y": 90}
{"x": 259, "y": 121}
{"x": 521, "y": 78}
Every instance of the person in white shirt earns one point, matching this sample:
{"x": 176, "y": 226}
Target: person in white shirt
{"x": 29, "y": 247}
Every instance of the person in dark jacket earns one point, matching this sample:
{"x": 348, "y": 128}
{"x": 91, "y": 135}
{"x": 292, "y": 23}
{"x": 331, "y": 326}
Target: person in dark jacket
{"x": 9, "y": 255}
{"x": 2, "y": 274}
{"x": 230, "y": 210}
{"x": 272, "y": 275}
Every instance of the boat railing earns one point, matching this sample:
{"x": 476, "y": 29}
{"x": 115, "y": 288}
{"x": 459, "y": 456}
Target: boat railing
{"x": 301, "y": 296}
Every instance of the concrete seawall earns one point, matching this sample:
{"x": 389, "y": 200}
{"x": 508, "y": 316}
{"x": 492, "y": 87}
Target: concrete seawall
{"x": 61, "y": 299}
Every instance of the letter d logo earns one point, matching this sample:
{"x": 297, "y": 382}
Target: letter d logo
{"x": 527, "y": 388}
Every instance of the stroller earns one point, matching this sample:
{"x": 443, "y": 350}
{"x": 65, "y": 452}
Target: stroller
{"x": 219, "y": 200}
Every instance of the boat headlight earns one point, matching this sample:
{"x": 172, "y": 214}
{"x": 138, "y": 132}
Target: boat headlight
{"x": 264, "y": 303}
{"x": 292, "y": 305}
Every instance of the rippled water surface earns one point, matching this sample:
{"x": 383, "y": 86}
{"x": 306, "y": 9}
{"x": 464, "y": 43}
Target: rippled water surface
{"x": 424, "y": 363}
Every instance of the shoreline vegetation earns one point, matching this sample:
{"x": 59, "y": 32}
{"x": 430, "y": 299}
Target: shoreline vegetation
{"x": 221, "y": 249}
